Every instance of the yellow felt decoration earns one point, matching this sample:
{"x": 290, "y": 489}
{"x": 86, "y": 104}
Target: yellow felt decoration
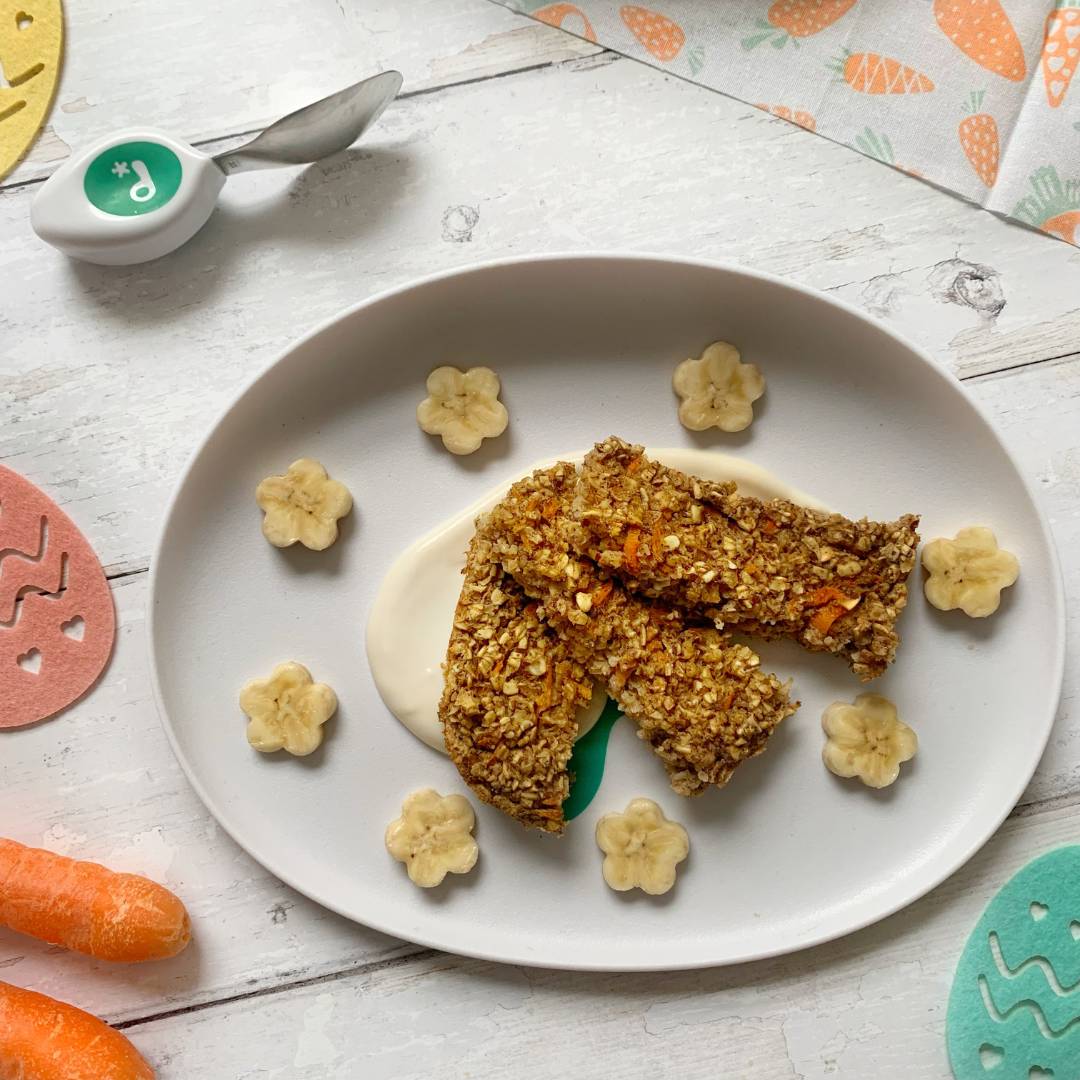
{"x": 31, "y": 43}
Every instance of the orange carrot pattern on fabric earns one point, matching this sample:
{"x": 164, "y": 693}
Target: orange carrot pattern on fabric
{"x": 982, "y": 30}
{"x": 980, "y": 141}
{"x": 663, "y": 37}
{"x": 46, "y": 1039}
{"x": 793, "y": 116}
{"x": 1053, "y": 205}
{"x": 872, "y": 73}
{"x": 558, "y": 14}
{"x": 789, "y": 20}
{"x": 1061, "y": 50}
{"x": 88, "y": 908}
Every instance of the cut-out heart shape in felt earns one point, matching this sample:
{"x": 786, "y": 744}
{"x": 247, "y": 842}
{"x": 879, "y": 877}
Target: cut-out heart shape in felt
{"x": 57, "y": 622}
{"x": 1014, "y": 1009}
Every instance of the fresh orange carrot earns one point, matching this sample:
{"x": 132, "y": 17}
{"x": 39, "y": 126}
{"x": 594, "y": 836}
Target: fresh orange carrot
{"x": 557, "y": 15}
{"x": 982, "y": 30}
{"x": 871, "y": 73}
{"x": 630, "y": 549}
{"x": 45, "y": 1039}
{"x": 1061, "y": 50}
{"x": 663, "y": 37}
{"x": 85, "y": 907}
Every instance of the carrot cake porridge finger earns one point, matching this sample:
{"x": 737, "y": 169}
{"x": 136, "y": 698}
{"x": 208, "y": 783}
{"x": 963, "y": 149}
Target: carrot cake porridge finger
{"x": 701, "y": 702}
{"x": 511, "y": 698}
{"x": 766, "y": 568}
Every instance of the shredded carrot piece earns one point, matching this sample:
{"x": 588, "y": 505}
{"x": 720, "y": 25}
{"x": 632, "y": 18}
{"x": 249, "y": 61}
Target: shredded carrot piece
{"x": 601, "y": 593}
{"x": 823, "y": 618}
{"x": 656, "y": 541}
{"x": 825, "y": 595}
{"x": 546, "y": 698}
{"x": 550, "y": 509}
{"x": 768, "y": 526}
{"x": 752, "y": 568}
{"x": 729, "y": 701}
{"x": 630, "y": 549}
{"x": 634, "y": 465}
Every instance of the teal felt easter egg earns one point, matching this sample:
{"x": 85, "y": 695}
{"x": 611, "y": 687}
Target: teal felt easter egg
{"x": 1014, "y": 1010}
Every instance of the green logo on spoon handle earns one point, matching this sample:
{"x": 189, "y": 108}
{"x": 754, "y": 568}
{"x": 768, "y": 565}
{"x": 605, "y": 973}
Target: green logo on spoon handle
{"x": 132, "y": 178}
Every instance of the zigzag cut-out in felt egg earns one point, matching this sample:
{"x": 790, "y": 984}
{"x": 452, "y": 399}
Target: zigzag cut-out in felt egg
{"x": 1014, "y": 1010}
{"x": 57, "y": 622}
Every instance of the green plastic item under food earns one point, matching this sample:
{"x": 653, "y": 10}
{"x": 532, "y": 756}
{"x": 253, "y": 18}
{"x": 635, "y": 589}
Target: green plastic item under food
{"x": 1014, "y": 1010}
{"x": 587, "y": 762}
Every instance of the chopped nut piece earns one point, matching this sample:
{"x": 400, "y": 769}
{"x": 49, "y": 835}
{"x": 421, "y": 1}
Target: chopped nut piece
{"x": 287, "y": 711}
{"x": 968, "y": 572}
{"x": 773, "y": 568}
{"x": 867, "y": 740}
{"x": 641, "y": 848}
{"x": 433, "y": 837}
{"x": 304, "y": 504}
{"x": 717, "y": 389}
{"x": 463, "y": 407}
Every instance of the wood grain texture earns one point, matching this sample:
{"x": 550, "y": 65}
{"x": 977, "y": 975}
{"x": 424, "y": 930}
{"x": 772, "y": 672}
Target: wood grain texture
{"x": 100, "y": 782}
{"x": 141, "y": 359}
{"x": 517, "y": 138}
{"x": 201, "y": 74}
{"x": 869, "y": 1006}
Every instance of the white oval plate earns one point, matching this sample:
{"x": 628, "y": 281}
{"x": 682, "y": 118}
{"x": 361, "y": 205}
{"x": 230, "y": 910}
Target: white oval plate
{"x": 787, "y": 855}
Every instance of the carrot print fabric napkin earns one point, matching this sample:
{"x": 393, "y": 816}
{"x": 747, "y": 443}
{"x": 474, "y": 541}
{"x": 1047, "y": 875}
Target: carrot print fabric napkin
{"x": 978, "y": 96}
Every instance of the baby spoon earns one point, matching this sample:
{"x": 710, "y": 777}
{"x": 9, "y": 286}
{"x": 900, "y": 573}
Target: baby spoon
{"x": 139, "y": 194}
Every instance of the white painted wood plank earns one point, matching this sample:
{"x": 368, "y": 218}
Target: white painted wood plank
{"x": 100, "y": 783}
{"x": 113, "y": 373}
{"x": 200, "y": 73}
{"x": 871, "y": 1005}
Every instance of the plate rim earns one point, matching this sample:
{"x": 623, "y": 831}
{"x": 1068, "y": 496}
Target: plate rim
{"x": 877, "y": 913}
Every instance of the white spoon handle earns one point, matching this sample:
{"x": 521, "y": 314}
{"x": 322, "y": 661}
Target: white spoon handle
{"x": 128, "y": 198}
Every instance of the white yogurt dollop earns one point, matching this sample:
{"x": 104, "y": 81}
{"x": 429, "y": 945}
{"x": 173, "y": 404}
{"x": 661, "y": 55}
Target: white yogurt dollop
{"x": 409, "y": 626}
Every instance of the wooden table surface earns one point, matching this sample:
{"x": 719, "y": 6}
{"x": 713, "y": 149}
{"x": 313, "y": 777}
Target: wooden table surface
{"x": 510, "y": 137}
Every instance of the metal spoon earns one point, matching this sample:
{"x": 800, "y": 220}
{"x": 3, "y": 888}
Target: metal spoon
{"x": 136, "y": 195}
{"x": 315, "y": 131}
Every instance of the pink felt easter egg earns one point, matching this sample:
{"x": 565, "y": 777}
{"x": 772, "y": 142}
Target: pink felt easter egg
{"x": 57, "y": 622}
